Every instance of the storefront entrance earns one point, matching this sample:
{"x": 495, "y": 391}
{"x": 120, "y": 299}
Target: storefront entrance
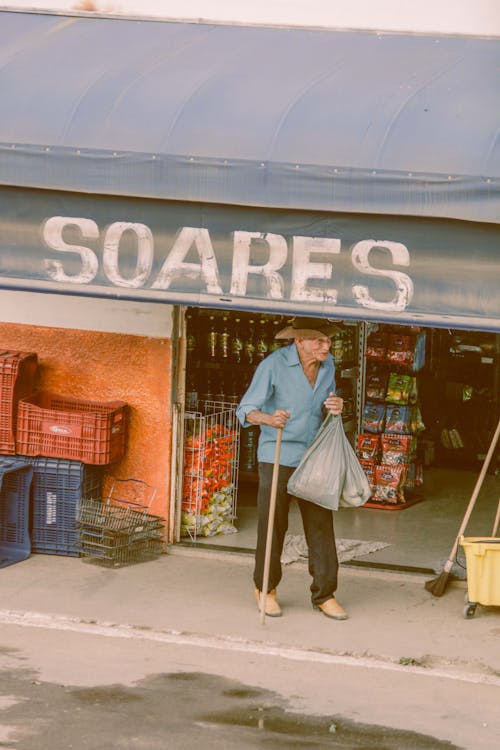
{"x": 408, "y": 523}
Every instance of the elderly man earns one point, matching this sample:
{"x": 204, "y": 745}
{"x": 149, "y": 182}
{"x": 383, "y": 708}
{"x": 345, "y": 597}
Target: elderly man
{"x": 293, "y": 388}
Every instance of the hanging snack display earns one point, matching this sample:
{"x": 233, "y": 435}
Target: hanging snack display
{"x": 387, "y": 446}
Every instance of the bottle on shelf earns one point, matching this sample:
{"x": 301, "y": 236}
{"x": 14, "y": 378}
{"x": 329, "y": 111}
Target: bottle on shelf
{"x": 233, "y": 396}
{"x": 191, "y": 340}
{"x": 224, "y": 339}
{"x": 212, "y": 338}
{"x": 261, "y": 341}
{"x": 237, "y": 343}
{"x": 248, "y": 449}
{"x": 273, "y": 328}
{"x": 209, "y": 392}
{"x": 220, "y": 391}
{"x": 249, "y": 344}
{"x": 337, "y": 348}
{"x": 191, "y": 398}
{"x": 349, "y": 346}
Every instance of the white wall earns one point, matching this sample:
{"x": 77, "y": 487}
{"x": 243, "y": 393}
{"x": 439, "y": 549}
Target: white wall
{"x": 474, "y": 17}
{"x": 86, "y": 313}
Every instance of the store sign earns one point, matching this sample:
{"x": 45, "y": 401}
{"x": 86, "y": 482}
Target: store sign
{"x": 299, "y": 260}
{"x": 361, "y": 266}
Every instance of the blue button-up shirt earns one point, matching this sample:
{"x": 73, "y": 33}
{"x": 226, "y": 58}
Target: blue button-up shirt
{"x": 279, "y": 382}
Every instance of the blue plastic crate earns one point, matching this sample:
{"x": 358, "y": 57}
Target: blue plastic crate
{"x": 15, "y": 482}
{"x": 59, "y": 485}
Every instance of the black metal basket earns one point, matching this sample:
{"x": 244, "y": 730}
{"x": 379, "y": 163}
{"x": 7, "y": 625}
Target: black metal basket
{"x": 119, "y": 531}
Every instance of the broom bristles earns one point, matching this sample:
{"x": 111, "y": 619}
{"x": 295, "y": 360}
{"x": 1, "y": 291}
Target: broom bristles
{"x": 437, "y": 586}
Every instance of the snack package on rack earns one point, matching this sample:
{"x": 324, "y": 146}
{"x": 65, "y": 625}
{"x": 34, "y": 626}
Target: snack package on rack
{"x": 368, "y": 447}
{"x": 399, "y": 388}
{"x": 369, "y": 469}
{"x": 407, "y": 351}
{"x": 413, "y": 395}
{"x": 376, "y": 387}
{"x": 416, "y": 422}
{"x": 396, "y": 449}
{"x": 389, "y": 484}
{"x": 400, "y": 350}
{"x": 398, "y": 419}
{"x": 376, "y": 347}
{"x": 374, "y": 418}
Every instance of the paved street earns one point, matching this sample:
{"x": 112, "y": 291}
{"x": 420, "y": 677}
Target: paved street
{"x": 171, "y": 654}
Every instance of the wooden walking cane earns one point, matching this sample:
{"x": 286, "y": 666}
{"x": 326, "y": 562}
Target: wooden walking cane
{"x": 270, "y": 527}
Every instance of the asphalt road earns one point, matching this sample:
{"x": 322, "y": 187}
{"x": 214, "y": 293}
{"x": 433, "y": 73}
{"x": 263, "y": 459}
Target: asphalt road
{"x": 85, "y": 689}
{"x": 178, "y": 711}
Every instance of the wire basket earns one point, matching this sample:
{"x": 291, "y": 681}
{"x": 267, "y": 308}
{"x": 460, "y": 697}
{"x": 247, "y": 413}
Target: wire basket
{"x": 211, "y": 453}
{"x": 120, "y": 530}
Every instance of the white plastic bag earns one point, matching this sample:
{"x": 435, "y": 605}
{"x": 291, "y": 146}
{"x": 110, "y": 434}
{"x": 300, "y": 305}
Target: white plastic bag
{"x": 356, "y": 490}
{"x": 329, "y": 473}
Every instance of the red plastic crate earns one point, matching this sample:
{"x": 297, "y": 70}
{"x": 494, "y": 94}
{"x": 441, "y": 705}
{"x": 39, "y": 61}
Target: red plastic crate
{"x": 17, "y": 380}
{"x": 62, "y": 427}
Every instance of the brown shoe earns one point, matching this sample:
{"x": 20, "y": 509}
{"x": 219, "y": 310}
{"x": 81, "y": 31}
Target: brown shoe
{"x": 273, "y": 609}
{"x": 331, "y": 608}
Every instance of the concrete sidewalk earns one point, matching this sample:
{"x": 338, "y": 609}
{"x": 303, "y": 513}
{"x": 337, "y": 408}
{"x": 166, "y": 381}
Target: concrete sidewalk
{"x": 394, "y": 623}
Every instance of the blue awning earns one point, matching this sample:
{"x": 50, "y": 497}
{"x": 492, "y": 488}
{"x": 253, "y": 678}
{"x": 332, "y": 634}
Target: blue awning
{"x": 277, "y": 118}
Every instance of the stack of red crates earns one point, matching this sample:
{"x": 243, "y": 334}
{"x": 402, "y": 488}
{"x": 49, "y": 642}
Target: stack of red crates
{"x": 17, "y": 380}
{"x": 72, "y": 440}
{"x": 76, "y": 438}
{"x": 61, "y": 427}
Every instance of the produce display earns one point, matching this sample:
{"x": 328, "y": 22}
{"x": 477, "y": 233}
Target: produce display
{"x": 210, "y": 456}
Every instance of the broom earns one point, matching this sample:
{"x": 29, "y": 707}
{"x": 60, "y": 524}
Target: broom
{"x": 497, "y": 521}
{"x": 438, "y": 585}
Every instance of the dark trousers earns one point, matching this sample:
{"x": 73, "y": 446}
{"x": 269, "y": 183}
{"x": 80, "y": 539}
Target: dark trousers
{"x": 318, "y": 529}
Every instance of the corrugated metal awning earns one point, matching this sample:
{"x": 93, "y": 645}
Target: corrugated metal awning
{"x": 268, "y": 117}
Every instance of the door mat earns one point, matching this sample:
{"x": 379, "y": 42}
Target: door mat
{"x": 295, "y": 548}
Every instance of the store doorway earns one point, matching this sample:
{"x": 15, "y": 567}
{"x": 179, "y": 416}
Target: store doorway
{"x": 457, "y": 393}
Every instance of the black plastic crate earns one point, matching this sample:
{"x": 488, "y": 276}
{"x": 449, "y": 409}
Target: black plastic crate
{"x": 15, "y": 482}
{"x": 59, "y": 486}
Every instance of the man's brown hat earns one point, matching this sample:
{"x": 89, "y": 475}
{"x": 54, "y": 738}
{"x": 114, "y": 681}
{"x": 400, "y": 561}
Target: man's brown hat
{"x": 308, "y": 328}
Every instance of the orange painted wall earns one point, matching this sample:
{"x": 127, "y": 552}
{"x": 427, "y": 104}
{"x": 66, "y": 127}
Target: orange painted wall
{"x": 104, "y": 367}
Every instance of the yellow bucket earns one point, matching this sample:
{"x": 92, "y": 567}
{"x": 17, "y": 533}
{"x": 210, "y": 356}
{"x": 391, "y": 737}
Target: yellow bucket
{"x": 482, "y": 555}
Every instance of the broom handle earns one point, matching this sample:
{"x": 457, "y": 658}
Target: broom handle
{"x": 473, "y": 499}
{"x": 497, "y": 521}
{"x": 270, "y": 526}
